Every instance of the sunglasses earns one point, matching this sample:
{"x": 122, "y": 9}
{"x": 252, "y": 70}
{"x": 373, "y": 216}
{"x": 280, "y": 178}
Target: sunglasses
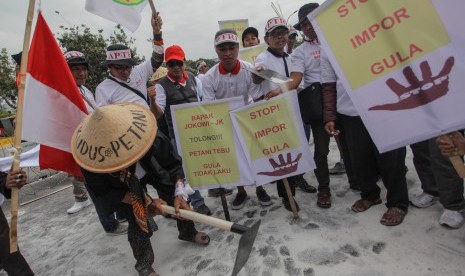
{"x": 122, "y": 68}
{"x": 173, "y": 63}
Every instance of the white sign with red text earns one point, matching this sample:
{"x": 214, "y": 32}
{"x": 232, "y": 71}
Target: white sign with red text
{"x": 401, "y": 62}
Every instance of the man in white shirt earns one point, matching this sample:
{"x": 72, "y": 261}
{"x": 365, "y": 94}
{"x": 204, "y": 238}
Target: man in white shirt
{"x": 367, "y": 162}
{"x": 229, "y": 79}
{"x": 79, "y": 66}
{"x": 127, "y": 82}
{"x": 306, "y": 61}
{"x": 275, "y": 58}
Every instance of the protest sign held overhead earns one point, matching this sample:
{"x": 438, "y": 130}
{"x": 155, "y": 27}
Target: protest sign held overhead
{"x": 250, "y": 53}
{"x": 272, "y": 136}
{"x": 210, "y": 151}
{"x": 401, "y": 63}
{"x": 238, "y": 25}
{"x": 124, "y": 12}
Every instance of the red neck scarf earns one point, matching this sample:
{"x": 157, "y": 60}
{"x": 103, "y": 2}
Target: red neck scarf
{"x": 234, "y": 71}
{"x": 181, "y": 81}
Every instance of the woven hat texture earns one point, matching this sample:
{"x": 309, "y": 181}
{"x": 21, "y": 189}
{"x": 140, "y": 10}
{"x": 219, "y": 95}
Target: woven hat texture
{"x": 113, "y": 137}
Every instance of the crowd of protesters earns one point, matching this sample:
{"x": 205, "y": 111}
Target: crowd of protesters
{"x": 123, "y": 190}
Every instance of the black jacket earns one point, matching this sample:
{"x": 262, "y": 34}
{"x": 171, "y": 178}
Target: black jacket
{"x": 3, "y": 190}
{"x": 163, "y": 167}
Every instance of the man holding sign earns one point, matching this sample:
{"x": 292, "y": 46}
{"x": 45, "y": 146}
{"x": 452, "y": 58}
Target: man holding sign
{"x": 229, "y": 79}
{"x": 368, "y": 163}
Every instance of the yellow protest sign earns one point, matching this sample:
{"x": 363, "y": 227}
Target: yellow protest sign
{"x": 250, "y": 53}
{"x": 205, "y": 137}
{"x": 379, "y": 36}
{"x": 239, "y": 25}
{"x": 272, "y": 136}
{"x": 269, "y": 128}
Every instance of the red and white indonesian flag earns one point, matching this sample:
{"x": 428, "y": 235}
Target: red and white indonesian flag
{"x": 124, "y": 12}
{"x": 53, "y": 106}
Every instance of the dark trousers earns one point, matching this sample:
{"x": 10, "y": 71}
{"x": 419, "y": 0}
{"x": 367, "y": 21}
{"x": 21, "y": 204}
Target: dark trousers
{"x": 139, "y": 240}
{"x": 186, "y": 228}
{"x": 437, "y": 175}
{"x": 14, "y": 264}
{"x": 282, "y": 190}
{"x": 343, "y": 147}
{"x": 108, "y": 222}
{"x": 321, "y": 150}
{"x": 368, "y": 164}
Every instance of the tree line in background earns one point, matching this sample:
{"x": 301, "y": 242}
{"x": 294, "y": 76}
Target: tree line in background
{"x": 76, "y": 38}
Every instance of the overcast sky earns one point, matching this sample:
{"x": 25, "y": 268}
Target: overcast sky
{"x": 191, "y": 24}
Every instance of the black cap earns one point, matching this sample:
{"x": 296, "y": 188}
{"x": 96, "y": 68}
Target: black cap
{"x": 17, "y": 58}
{"x": 249, "y": 30}
{"x": 119, "y": 54}
{"x": 303, "y": 12}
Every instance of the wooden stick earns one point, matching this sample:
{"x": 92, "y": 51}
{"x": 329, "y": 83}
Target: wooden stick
{"x": 212, "y": 221}
{"x": 456, "y": 161}
{"x": 18, "y": 126}
{"x": 291, "y": 198}
{"x": 49, "y": 194}
{"x": 152, "y": 6}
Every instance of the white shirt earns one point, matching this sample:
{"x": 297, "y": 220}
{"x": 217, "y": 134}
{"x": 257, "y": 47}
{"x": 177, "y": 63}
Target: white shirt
{"x": 110, "y": 92}
{"x": 160, "y": 97}
{"x": 222, "y": 86}
{"x": 306, "y": 60}
{"x": 88, "y": 96}
{"x": 271, "y": 62}
{"x": 344, "y": 103}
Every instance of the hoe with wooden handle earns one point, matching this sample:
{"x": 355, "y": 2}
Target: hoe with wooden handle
{"x": 245, "y": 243}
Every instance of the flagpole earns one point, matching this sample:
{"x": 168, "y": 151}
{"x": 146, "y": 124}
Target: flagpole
{"x": 18, "y": 127}
{"x": 152, "y": 6}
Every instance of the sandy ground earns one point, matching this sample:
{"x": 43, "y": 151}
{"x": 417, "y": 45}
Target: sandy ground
{"x": 333, "y": 241}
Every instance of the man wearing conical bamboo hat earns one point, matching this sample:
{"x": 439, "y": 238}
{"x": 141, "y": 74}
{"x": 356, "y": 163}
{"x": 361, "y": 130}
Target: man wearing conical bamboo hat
{"x": 119, "y": 151}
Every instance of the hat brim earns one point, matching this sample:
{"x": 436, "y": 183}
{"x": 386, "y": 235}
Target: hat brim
{"x": 297, "y": 26}
{"x": 17, "y": 58}
{"x": 278, "y": 26}
{"x": 224, "y": 42}
{"x": 249, "y": 30}
{"x": 125, "y": 162}
{"x": 175, "y": 57}
{"x": 127, "y": 62}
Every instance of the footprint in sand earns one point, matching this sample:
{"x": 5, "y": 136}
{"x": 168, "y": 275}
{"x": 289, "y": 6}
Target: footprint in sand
{"x": 350, "y": 249}
{"x": 250, "y": 213}
{"x": 379, "y": 247}
{"x": 309, "y": 272}
{"x": 284, "y": 251}
{"x": 291, "y": 270}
